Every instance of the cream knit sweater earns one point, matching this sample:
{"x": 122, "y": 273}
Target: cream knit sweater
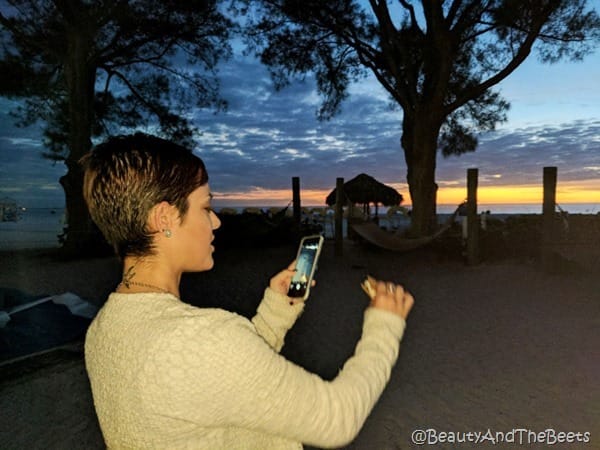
{"x": 167, "y": 375}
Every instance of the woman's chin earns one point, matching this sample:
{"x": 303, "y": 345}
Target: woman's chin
{"x": 204, "y": 266}
{"x": 208, "y": 264}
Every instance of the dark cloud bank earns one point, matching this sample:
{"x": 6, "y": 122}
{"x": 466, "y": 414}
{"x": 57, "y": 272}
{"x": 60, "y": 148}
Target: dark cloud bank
{"x": 266, "y": 137}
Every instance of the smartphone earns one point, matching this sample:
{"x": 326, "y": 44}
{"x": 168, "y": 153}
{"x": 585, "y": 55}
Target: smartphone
{"x": 306, "y": 264}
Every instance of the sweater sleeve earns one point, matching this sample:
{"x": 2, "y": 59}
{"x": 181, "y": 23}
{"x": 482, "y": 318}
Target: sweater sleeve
{"x": 274, "y": 317}
{"x": 242, "y": 383}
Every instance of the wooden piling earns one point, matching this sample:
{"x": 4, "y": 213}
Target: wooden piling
{"x": 297, "y": 209}
{"x": 472, "y": 218}
{"x": 548, "y": 217}
{"x": 339, "y": 217}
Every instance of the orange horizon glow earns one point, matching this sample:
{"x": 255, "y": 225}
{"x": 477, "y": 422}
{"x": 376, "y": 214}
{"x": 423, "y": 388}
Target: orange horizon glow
{"x": 569, "y": 192}
{"x": 566, "y": 193}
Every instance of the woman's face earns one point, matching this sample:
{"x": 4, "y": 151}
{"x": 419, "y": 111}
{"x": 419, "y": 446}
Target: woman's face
{"x": 194, "y": 234}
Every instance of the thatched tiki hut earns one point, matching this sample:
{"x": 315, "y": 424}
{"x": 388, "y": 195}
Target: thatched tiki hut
{"x": 364, "y": 190}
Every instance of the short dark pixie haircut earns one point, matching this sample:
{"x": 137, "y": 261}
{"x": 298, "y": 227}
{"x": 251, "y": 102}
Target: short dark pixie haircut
{"x": 125, "y": 176}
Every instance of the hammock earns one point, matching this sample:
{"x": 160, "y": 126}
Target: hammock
{"x": 371, "y": 232}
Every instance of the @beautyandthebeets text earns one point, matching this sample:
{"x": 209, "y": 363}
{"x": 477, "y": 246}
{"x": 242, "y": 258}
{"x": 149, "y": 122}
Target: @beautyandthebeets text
{"x": 517, "y": 436}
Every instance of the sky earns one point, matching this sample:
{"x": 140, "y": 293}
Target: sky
{"x": 266, "y": 137}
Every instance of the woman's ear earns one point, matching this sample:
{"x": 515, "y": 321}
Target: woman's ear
{"x": 163, "y": 216}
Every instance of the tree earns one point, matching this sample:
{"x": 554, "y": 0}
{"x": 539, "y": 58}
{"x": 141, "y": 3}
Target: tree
{"x": 438, "y": 60}
{"x": 88, "y": 68}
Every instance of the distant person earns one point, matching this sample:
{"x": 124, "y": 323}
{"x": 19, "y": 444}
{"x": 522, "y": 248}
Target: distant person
{"x": 167, "y": 375}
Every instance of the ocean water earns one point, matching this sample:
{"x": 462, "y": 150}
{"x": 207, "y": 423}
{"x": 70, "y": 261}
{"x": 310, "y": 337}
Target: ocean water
{"x": 36, "y": 228}
{"x": 496, "y": 208}
{"x": 40, "y": 227}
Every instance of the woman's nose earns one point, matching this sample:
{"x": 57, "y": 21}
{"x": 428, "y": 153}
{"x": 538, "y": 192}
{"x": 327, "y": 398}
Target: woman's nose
{"x": 215, "y": 221}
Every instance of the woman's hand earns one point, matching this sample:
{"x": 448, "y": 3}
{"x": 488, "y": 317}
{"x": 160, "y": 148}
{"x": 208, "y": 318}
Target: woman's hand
{"x": 281, "y": 282}
{"x": 389, "y": 296}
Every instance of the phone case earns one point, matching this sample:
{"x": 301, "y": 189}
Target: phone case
{"x": 307, "y": 258}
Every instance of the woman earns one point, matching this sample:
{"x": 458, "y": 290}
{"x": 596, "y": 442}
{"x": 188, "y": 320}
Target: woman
{"x": 167, "y": 375}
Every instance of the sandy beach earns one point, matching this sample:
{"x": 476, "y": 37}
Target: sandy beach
{"x": 500, "y": 348}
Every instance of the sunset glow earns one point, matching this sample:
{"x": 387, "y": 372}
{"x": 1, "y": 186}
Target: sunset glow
{"x": 584, "y": 191}
{"x": 269, "y": 197}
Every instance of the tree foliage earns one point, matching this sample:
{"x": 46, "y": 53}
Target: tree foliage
{"x": 88, "y": 68}
{"x": 150, "y": 60}
{"x": 438, "y": 60}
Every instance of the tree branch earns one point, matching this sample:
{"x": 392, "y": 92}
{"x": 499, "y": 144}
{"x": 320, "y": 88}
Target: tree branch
{"x": 516, "y": 61}
{"x": 152, "y": 108}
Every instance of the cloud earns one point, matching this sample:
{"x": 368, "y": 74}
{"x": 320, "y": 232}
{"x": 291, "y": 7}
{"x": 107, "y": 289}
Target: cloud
{"x": 272, "y": 136}
{"x": 514, "y": 156}
{"x": 266, "y": 137}
{"x": 24, "y": 174}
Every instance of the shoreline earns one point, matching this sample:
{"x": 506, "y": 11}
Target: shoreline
{"x": 44, "y": 238}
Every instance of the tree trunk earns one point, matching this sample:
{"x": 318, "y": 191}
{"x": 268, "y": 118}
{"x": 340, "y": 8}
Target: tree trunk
{"x": 419, "y": 141}
{"x": 81, "y": 236}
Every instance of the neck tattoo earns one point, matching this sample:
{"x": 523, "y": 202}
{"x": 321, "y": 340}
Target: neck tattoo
{"x": 127, "y": 282}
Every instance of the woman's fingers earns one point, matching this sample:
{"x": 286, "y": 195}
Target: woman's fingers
{"x": 389, "y": 296}
{"x": 407, "y": 303}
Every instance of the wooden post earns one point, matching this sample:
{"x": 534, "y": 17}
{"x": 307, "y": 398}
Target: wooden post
{"x": 296, "y": 200}
{"x": 339, "y": 217}
{"x": 548, "y": 213}
{"x": 472, "y": 218}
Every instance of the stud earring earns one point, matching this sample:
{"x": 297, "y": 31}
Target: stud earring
{"x": 168, "y": 233}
